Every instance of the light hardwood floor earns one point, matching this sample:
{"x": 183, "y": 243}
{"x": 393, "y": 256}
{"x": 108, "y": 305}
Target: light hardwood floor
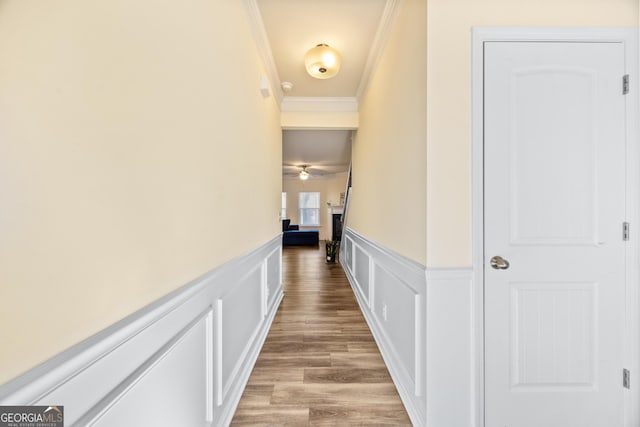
{"x": 319, "y": 365}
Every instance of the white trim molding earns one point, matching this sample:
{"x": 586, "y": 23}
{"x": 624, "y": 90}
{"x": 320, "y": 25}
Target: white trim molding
{"x": 387, "y": 23}
{"x": 264, "y": 48}
{"x": 189, "y": 354}
{"x": 629, "y": 38}
{"x": 307, "y": 104}
{"x": 390, "y": 290}
{"x": 338, "y": 113}
{"x": 451, "y": 347}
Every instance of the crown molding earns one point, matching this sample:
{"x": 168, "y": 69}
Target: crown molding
{"x": 263, "y": 46}
{"x": 307, "y": 104}
{"x": 320, "y": 104}
{"x": 385, "y": 28}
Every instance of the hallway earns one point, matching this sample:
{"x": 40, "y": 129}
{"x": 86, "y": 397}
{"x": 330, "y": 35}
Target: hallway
{"x": 319, "y": 364}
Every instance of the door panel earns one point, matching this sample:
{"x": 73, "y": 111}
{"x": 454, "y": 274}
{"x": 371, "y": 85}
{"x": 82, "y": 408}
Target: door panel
{"x": 539, "y": 158}
{"x": 554, "y": 207}
{"x": 553, "y": 336}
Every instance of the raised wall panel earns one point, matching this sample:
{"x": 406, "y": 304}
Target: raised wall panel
{"x": 396, "y": 310}
{"x": 241, "y": 316}
{"x": 362, "y": 272}
{"x": 274, "y": 276}
{"x": 347, "y": 253}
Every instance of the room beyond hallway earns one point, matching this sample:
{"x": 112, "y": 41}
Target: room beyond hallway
{"x": 320, "y": 364}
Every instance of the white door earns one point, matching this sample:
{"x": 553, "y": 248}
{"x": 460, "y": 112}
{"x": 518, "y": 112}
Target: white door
{"x": 554, "y": 166}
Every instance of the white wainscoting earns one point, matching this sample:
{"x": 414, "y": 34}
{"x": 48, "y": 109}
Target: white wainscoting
{"x": 453, "y": 359}
{"x": 425, "y": 324}
{"x": 391, "y": 291}
{"x": 182, "y": 361}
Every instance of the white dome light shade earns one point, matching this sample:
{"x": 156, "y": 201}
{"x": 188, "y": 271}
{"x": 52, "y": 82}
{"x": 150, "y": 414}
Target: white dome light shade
{"x": 322, "y": 62}
{"x": 304, "y": 175}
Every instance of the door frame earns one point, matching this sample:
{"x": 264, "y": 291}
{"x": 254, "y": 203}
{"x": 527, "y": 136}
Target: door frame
{"x": 629, "y": 38}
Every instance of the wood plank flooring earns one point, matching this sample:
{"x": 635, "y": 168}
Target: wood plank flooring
{"x": 319, "y": 365}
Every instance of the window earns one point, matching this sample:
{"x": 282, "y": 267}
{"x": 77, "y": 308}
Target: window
{"x": 309, "y": 209}
{"x": 283, "y": 214}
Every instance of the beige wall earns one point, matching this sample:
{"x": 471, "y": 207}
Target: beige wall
{"x": 329, "y": 189}
{"x": 388, "y": 203}
{"x": 448, "y": 104}
{"x": 120, "y": 135}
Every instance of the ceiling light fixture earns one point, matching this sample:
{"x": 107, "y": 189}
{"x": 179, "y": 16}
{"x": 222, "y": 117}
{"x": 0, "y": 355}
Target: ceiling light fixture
{"x": 304, "y": 175}
{"x": 322, "y": 61}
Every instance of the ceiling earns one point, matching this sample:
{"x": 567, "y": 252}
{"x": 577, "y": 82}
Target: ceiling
{"x": 295, "y": 26}
{"x": 324, "y": 152}
{"x": 285, "y": 30}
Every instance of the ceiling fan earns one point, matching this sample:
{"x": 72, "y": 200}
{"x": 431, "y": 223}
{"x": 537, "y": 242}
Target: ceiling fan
{"x": 303, "y": 171}
{"x": 306, "y": 171}
{"x": 304, "y": 175}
